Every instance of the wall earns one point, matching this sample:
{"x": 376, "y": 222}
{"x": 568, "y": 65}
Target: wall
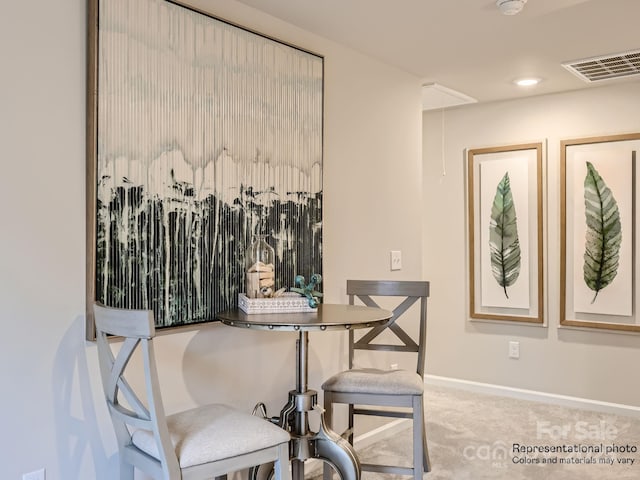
{"x": 589, "y": 364}
{"x": 52, "y": 413}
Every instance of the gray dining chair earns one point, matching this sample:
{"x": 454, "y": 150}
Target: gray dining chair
{"x": 201, "y": 443}
{"x": 385, "y": 393}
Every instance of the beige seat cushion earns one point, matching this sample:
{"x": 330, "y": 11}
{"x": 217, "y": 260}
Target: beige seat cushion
{"x": 213, "y": 432}
{"x": 370, "y": 380}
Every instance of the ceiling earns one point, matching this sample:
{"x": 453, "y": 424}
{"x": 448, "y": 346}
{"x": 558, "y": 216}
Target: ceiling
{"x": 468, "y": 45}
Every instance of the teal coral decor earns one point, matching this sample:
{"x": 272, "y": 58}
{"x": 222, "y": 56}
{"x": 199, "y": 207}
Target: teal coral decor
{"x": 309, "y": 290}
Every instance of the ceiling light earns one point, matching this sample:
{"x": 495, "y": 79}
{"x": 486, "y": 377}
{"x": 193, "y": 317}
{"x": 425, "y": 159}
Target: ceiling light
{"x": 510, "y": 7}
{"x": 527, "y": 82}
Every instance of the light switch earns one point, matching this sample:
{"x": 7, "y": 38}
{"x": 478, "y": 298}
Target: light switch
{"x": 396, "y": 260}
{"x": 514, "y": 350}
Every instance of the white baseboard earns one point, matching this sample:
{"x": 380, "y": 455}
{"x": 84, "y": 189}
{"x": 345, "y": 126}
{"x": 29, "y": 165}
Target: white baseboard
{"x": 522, "y": 394}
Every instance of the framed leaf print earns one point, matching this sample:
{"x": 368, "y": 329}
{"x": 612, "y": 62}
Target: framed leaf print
{"x": 505, "y": 214}
{"x": 598, "y": 288}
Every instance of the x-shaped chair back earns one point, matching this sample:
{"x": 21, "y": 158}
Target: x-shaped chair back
{"x": 127, "y": 409}
{"x": 204, "y": 442}
{"x": 408, "y": 293}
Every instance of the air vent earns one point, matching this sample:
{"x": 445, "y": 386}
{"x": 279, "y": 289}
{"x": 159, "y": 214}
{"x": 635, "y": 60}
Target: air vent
{"x": 607, "y": 67}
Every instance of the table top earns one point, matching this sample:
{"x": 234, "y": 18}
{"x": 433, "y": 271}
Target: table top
{"x": 327, "y": 317}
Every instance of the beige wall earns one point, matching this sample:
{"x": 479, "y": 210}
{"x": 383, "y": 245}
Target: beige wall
{"x": 52, "y": 412}
{"x": 589, "y": 364}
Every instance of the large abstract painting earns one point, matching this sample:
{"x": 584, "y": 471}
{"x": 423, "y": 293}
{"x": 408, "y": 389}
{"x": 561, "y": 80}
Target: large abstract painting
{"x": 201, "y": 135}
{"x": 505, "y": 208}
{"x": 598, "y": 240}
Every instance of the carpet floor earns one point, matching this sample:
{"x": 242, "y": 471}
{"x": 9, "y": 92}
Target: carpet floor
{"x": 473, "y": 436}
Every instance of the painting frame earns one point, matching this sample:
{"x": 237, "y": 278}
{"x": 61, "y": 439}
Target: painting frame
{"x": 619, "y": 146}
{"x": 260, "y": 154}
{"x": 528, "y": 158}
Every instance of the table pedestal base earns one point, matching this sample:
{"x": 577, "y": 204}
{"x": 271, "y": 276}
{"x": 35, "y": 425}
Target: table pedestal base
{"x": 334, "y": 449}
{"x": 325, "y": 444}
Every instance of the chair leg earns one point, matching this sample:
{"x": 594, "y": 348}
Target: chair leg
{"x": 281, "y": 466}
{"x": 126, "y": 470}
{"x": 425, "y": 449}
{"x": 327, "y": 470}
{"x": 351, "y": 424}
{"x": 418, "y": 438}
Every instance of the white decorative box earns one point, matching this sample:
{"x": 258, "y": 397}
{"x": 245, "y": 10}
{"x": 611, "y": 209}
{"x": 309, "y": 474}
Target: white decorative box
{"x": 288, "y": 303}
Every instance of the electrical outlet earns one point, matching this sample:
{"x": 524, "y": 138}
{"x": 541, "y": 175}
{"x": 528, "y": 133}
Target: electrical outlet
{"x": 514, "y": 349}
{"x": 36, "y": 475}
{"x": 394, "y": 366}
{"x": 396, "y": 260}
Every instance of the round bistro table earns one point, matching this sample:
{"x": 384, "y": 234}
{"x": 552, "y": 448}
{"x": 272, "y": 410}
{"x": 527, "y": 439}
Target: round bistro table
{"x": 324, "y": 444}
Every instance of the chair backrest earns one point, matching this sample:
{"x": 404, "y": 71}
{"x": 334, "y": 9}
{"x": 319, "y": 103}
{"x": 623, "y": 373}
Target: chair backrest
{"x": 407, "y": 294}
{"x": 126, "y": 405}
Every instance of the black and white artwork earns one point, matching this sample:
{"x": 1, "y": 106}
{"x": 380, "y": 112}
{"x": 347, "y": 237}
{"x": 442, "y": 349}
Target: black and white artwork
{"x": 202, "y": 135}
